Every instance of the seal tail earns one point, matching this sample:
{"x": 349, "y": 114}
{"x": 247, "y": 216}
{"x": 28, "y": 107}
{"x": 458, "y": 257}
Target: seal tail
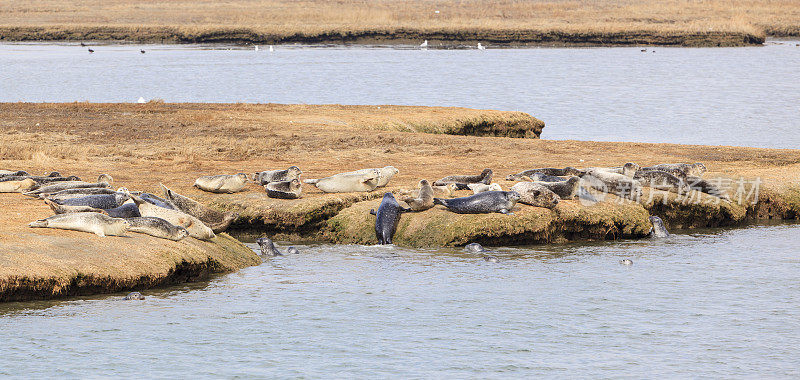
{"x": 32, "y": 194}
{"x": 440, "y": 201}
{"x": 311, "y": 181}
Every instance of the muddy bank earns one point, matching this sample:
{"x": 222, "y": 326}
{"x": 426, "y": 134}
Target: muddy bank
{"x": 437, "y": 38}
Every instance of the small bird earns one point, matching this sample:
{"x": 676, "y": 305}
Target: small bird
{"x": 481, "y": 47}
{"x": 256, "y": 49}
{"x": 141, "y": 51}
{"x": 424, "y": 45}
{"x": 626, "y": 262}
{"x": 83, "y": 44}
{"x": 141, "y": 100}
{"x": 91, "y": 51}
{"x": 271, "y": 49}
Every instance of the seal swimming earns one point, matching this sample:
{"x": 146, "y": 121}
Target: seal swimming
{"x": 348, "y": 183}
{"x": 535, "y": 194}
{"x": 197, "y": 229}
{"x": 223, "y": 183}
{"x": 486, "y": 202}
{"x": 267, "y": 247}
{"x": 463, "y": 180}
{"x": 387, "y": 218}
{"x": 284, "y": 189}
{"x": 699, "y": 184}
{"x": 218, "y": 221}
{"x": 680, "y": 170}
{"x": 474, "y": 248}
{"x": 156, "y": 227}
{"x": 265, "y": 177}
{"x": 96, "y": 223}
{"x": 658, "y": 231}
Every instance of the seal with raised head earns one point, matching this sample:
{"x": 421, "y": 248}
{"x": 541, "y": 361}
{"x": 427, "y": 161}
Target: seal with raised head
{"x": 285, "y": 189}
{"x": 96, "y": 223}
{"x": 223, "y": 183}
{"x": 156, "y": 227}
{"x": 564, "y": 189}
{"x": 348, "y": 183}
{"x": 197, "y": 229}
{"x": 218, "y": 221}
{"x": 480, "y": 187}
{"x": 547, "y": 172}
{"x": 267, "y": 247}
{"x": 424, "y": 198}
{"x": 481, "y": 203}
{"x": 20, "y": 186}
{"x": 661, "y": 180}
{"x": 387, "y": 172}
{"x": 535, "y": 194}
{"x": 387, "y": 218}
{"x": 463, "y": 180}
{"x": 628, "y": 170}
{"x": 265, "y": 177}
{"x": 613, "y": 183}
{"x": 103, "y": 201}
{"x": 658, "y": 231}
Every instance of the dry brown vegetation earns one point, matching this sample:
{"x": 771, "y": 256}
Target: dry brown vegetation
{"x": 684, "y": 22}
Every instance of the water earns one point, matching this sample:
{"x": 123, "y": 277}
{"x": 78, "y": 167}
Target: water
{"x": 747, "y": 96}
{"x": 713, "y": 304}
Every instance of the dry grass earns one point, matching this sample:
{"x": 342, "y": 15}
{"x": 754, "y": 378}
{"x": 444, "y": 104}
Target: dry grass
{"x": 707, "y": 22}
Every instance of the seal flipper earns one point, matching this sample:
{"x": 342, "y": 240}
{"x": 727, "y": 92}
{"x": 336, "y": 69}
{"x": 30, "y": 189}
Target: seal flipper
{"x": 372, "y": 212}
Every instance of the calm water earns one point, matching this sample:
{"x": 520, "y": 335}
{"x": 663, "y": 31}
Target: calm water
{"x": 716, "y": 304}
{"x": 717, "y": 96}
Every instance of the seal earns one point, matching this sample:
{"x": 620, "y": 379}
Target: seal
{"x": 348, "y": 183}
{"x": 104, "y": 181}
{"x": 65, "y": 209}
{"x": 293, "y": 250}
{"x": 265, "y": 177}
{"x": 127, "y": 210}
{"x": 536, "y": 194}
{"x": 474, "y": 248}
{"x": 424, "y": 199}
{"x": 196, "y": 228}
{"x": 541, "y": 177}
{"x": 486, "y": 202}
{"x": 628, "y": 170}
{"x": 661, "y": 180}
{"x": 99, "y": 224}
{"x": 134, "y": 296}
{"x": 158, "y": 201}
{"x": 491, "y": 259}
{"x": 387, "y": 172}
{"x": 156, "y": 227}
{"x": 20, "y": 186}
{"x": 17, "y": 173}
{"x": 699, "y": 184}
{"x": 680, "y": 170}
{"x": 626, "y": 262}
{"x": 387, "y": 218}
{"x": 284, "y": 189}
{"x": 564, "y": 189}
{"x": 267, "y": 247}
{"x": 75, "y": 193}
{"x": 224, "y": 183}
{"x": 218, "y": 221}
{"x": 549, "y": 172}
{"x": 480, "y": 187}
{"x": 614, "y": 183}
{"x": 658, "y": 231}
{"x": 485, "y": 177}
{"x": 103, "y": 201}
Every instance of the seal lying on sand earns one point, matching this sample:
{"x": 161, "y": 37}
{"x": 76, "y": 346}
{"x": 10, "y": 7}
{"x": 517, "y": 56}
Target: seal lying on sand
{"x": 127, "y": 210}
{"x": 218, "y": 221}
{"x": 535, "y": 194}
{"x": 564, "y": 189}
{"x": 75, "y": 193}
{"x": 424, "y": 198}
{"x": 158, "y": 201}
{"x": 446, "y": 191}
{"x": 348, "y": 183}
{"x": 224, "y": 183}
{"x": 265, "y": 177}
{"x": 196, "y": 228}
{"x": 134, "y": 296}
{"x": 480, "y": 187}
{"x": 661, "y": 180}
{"x": 628, "y": 170}
{"x": 284, "y": 189}
{"x": 549, "y": 172}
{"x": 680, "y": 170}
{"x": 614, "y": 183}
{"x": 267, "y": 247}
{"x": 387, "y": 218}
{"x": 40, "y": 180}
{"x": 699, "y": 184}
{"x": 387, "y": 172}
{"x": 486, "y": 202}
{"x": 99, "y": 224}
{"x": 658, "y": 231}
{"x": 156, "y": 227}
{"x": 463, "y": 180}
{"x": 4, "y": 173}
{"x": 104, "y": 181}
{"x": 103, "y": 201}
{"x": 19, "y": 186}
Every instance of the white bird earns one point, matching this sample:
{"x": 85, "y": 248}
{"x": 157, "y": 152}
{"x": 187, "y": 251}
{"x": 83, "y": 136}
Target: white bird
{"x": 271, "y": 49}
{"x": 424, "y": 45}
{"x": 141, "y": 100}
{"x": 481, "y": 47}
{"x": 256, "y": 47}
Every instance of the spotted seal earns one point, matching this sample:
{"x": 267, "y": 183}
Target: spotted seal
{"x": 535, "y": 194}
{"x": 20, "y": 186}
{"x": 76, "y": 193}
{"x": 424, "y": 199}
{"x": 40, "y": 180}
{"x": 16, "y": 173}
{"x": 658, "y": 231}
{"x": 481, "y": 187}
{"x": 564, "y": 189}
{"x": 134, "y": 296}
{"x": 463, "y": 180}
{"x": 486, "y": 202}
{"x": 547, "y": 172}
{"x": 284, "y": 189}
{"x": 474, "y": 248}
{"x": 387, "y": 218}
{"x": 99, "y": 224}
{"x": 387, "y": 172}
{"x": 218, "y": 221}
{"x": 197, "y": 229}
{"x": 348, "y": 183}
{"x": 156, "y": 227}
{"x": 614, "y": 183}
{"x": 267, "y": 247}
{"x": 103, "y": 181}
{"x": 661, "y": 180}
{"x": 680, "y": 170}
{"x": 223, "y": 183}
{"x": 103, "y": 201}
{"x": 265, "y": 177}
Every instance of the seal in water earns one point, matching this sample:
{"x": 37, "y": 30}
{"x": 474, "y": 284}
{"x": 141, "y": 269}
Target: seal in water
{"x": 480, "y": 187}
{"x": 103, "y": 201}
{"x": 134, "y": 296}
{"x": 156, "y": 227}
{"x": 284, "y": 189}
{"x": 661, "y": 180}
{"x": 486, "y": 202}
{"x": 348, "y": 183}
{"x": 99, "y": 224}
{"x": 196, "y": 228}
{"x": 268, "y": 248}
{"x": 388, "y": 216}
{"x": 218, "y": 221}
{"x": 628, "y": 170}
{"x": 19, "y": 186}
{"x": 223, "y": 183}
{"x": 680, "y": 170}
{"x": 699, "y": 184}
{"x": 659, "y": 231}
{"x": 387, "y": 172}
{"x": 614, "y": 183}
{"x": 535, "y": 194}
{"x": 626, "y": 262}
{"x": 485, "y": 177}
{"x": 474, "y": 248}
{"x": 424, "y": 198}
{"x": 548, "y": 172}
{"x": 565, "y": 189}
{"x": 293, "y": 250}
{"x": 265, "y": 177}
